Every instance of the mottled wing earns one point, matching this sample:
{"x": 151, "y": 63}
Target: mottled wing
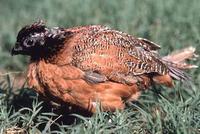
{"x": 116, "y": 54}
{"x": 149, "y": 44}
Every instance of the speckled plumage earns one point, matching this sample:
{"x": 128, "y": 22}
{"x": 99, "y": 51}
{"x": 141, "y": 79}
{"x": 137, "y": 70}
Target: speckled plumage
{"x": 115, "y": 48}
{"x": 84, "y": 65}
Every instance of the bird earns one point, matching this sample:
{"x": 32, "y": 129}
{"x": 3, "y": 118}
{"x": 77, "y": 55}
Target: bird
{"x": 94, "y": 65}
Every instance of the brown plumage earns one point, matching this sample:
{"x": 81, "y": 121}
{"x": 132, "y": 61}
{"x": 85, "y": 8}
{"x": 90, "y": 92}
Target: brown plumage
{"x": 84, "y": 65}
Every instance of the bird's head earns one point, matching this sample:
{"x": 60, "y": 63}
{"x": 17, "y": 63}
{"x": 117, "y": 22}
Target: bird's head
{"x": 30, "y": 38}
{"x": 36, "y": 40}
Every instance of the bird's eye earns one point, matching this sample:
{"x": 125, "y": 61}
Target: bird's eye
{"x": 29, "y": 42}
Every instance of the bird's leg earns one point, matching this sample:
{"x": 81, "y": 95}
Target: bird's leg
{"x": 121, "y": 78}
{"x": 94, "y": 77}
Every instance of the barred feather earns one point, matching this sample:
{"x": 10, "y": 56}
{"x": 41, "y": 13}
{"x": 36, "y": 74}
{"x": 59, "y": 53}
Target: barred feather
{"x": 176, "y": 63}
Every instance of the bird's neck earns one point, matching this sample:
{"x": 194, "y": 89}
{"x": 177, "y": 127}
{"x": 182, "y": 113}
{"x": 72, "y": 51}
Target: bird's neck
{"x": 47, "y": 55}
{"x": 58, "y": 55}
{"x": 55, "y": 43}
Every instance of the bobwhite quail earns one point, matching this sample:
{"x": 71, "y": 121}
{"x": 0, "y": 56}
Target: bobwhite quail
{"x": 85, "y": 65}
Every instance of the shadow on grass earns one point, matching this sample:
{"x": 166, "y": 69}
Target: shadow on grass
{"x": 63, "y": 112}
{"x": 17, "y": 99}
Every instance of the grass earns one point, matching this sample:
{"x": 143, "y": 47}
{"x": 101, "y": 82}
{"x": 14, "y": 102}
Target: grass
{"x": 172, "y": 24}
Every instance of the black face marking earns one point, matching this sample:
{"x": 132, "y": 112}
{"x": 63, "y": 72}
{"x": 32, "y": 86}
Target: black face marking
{"x": 39, "y": 41}
{"x": 29, "y": 38}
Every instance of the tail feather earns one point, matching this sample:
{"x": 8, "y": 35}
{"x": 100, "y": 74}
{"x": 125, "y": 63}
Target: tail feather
{"x": 176, "y": 63}
{"x": 178, "y": 74}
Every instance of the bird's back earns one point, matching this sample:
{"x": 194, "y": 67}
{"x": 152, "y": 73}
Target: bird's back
{"x": 113, "y": 53}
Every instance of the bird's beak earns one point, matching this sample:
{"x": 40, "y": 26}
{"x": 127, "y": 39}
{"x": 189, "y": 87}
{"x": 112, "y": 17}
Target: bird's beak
{"x": 16, "y": 49}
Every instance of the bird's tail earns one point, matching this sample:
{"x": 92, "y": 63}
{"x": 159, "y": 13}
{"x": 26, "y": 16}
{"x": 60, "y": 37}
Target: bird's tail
{"x": 176, "y": 62}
